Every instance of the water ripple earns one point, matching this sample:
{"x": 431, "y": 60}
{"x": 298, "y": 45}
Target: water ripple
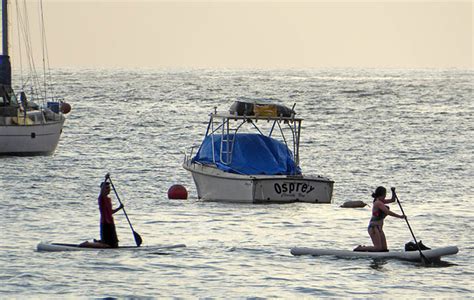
{"x": 406, "y": 128}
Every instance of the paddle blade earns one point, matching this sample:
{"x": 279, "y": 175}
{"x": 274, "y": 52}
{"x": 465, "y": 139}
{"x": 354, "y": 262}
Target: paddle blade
{"x": 138, "y": 238}
{"x": 425, "y": 260}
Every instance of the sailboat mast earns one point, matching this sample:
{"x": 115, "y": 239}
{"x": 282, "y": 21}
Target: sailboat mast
{"x": 4, "y": 27}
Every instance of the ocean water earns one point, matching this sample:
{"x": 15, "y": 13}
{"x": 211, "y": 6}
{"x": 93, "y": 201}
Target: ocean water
{"x": 410, "y": 129}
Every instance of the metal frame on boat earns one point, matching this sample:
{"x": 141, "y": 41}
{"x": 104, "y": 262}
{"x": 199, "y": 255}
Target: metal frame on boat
{"x": 214, "y": 182}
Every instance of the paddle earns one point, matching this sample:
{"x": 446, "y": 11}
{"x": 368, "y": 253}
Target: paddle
{"x": 136, "y": 236}
{"x": 423, "y": 257}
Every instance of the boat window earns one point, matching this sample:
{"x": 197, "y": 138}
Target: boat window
{"x": 4, "y": 99}
{"x": 13, "y": 99}
{"x": 7, "y": 96}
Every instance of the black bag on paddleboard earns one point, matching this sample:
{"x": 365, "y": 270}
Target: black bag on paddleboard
{"x": 411, "y": 246}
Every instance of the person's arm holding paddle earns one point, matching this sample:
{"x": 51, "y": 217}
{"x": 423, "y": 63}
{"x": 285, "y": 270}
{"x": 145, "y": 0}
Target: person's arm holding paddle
{"x": 386, "y": 210}
{"x": 387, "y": 201}
{"x": 105, "y": 190}
{"x": 104, "y": 207}
{"x": 118, "y": 208}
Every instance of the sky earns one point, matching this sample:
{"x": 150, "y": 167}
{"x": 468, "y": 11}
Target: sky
{"x": 256, "y": 34}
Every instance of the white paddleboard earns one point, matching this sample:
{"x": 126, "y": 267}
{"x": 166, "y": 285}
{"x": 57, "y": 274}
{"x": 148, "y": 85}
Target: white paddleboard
{"x": 51, "y": 247}
{"x": 433, "y": 254}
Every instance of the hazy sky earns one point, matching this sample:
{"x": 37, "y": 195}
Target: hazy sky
{"x": 264, "y": 34}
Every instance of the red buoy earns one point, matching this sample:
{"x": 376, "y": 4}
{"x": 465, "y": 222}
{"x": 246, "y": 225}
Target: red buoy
{"x": 177, "y": 191}
{"x": 65, "y": 107}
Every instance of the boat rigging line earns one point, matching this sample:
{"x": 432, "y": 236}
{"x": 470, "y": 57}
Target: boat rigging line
{"x": 31, "y": 79}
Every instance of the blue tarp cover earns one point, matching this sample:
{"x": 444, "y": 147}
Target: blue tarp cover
{"x": 253, "y": 154}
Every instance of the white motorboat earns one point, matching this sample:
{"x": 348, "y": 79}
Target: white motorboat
{"x": 27, "y": 128}
{"x": 251, "y": 155}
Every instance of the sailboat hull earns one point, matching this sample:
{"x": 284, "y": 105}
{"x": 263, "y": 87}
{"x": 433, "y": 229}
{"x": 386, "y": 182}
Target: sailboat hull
{"x": 38, "y": 139}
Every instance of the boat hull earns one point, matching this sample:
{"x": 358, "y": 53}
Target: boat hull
{"x": 213, "y": 184}
{"x": 433, "y": 254}
{"x": 38, "y": 139}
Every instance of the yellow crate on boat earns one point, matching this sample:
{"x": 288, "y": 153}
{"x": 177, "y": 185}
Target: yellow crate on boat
{"x": 265, "y": 110}
{"x": 20, "y": 119}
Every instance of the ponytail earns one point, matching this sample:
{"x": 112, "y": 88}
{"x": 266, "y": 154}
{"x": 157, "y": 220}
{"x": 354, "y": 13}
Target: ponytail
{"x": 379, "y": 191}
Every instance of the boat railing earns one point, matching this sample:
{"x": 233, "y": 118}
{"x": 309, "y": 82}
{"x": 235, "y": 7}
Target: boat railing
{"x": 254, "y": 117}
{"x": 188, "y": 153}
{"x": 222, "y": 122}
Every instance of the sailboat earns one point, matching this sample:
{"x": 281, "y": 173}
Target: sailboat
{"x": 26, "y": 127}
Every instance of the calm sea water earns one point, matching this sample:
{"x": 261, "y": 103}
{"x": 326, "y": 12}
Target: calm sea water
{"x": 412, "y": 129}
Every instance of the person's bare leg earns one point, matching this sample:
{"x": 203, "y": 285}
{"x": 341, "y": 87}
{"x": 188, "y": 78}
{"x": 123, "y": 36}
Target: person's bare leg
{"x": 95, "y": 244}
{"x": 376, "y": 237}
{"x": 384, "y": 241}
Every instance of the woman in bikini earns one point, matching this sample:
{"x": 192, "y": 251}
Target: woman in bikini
{"x": 379, "y": 211}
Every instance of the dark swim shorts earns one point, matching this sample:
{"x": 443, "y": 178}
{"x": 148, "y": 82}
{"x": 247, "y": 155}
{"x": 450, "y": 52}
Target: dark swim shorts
{"x": 108, "y": 235}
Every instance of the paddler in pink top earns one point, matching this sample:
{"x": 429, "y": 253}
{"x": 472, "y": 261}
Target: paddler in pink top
{"x": 108, "y": 235}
